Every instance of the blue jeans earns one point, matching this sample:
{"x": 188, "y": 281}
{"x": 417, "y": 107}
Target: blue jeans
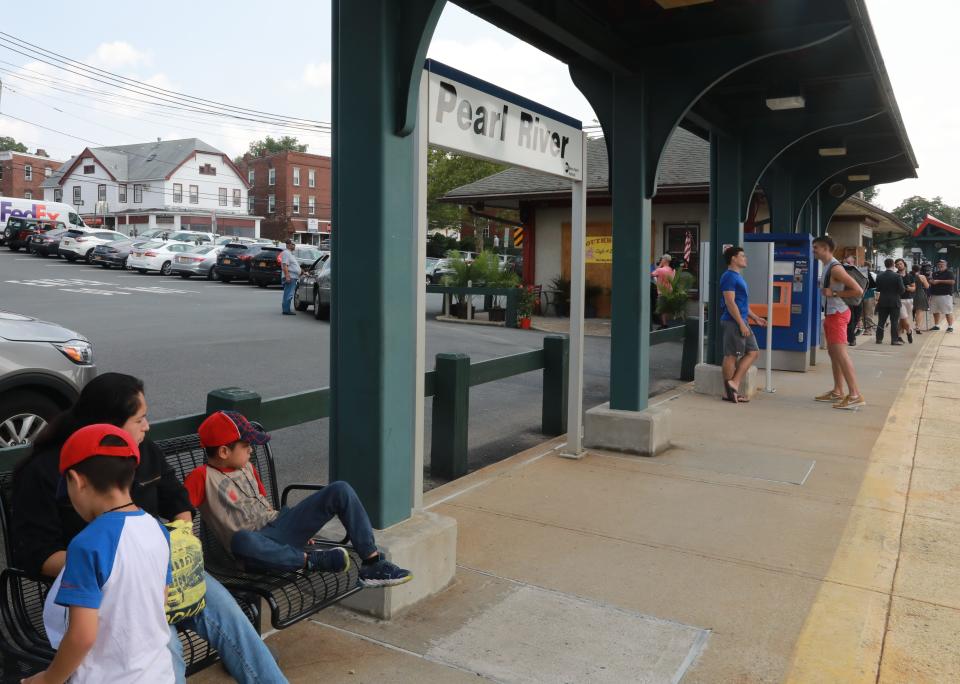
{"x": 279, "y": 545}
{"x": 289, "y": 286}
{"x": 228, "y": 630}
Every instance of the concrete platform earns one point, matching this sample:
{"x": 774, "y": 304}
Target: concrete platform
{"x": 814, "y": 545}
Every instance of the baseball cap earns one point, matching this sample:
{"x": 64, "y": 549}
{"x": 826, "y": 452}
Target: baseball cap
{"x": 225, "y": 427}
{"x": 92, "y": 440}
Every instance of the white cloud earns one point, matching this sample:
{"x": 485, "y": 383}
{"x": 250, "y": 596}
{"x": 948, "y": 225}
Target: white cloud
{"x": 118, "y": 55}
{"x": 316, "y": 75}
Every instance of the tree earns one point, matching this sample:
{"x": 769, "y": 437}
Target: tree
{"x": 870, "y": 193}
{"x": 8, "y": 143}
{"x": 913, "y": 210}
{"x": 446, "y": 171}
{"x": 271, "y": 145}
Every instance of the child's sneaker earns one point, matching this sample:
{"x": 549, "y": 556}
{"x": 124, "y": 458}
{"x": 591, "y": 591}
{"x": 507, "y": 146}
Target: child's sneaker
{"x": 383, "y": 573}
{"x": 336, "y": 559}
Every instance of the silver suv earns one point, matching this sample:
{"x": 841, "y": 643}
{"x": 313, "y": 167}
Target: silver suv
{"x": 43, "y": 367}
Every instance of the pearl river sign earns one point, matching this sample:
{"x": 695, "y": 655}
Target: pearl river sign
{"x": 471, "y": 116}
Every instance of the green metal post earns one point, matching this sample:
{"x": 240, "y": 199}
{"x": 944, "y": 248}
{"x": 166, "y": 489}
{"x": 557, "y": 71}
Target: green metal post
{"x": 451, "y": 416}
{"x": 779, "y": 198}
{"x": 630, "y": 325}
{"x": 556, "y": 363}
{"x": 234, "y": 399}
{"x": 725, "y": 227}
{"x": 688, "y": 362}
{"x": 510, "y": 315}
{"x": 378, "y": 51}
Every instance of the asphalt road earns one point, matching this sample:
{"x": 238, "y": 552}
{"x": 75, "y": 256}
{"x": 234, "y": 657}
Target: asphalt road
{"x": 186, "y": 337}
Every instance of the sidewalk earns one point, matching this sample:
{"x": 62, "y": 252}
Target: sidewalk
{"x": 780, "y": 540}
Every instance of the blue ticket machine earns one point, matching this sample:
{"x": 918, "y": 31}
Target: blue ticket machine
{"x": 796, "y": 297}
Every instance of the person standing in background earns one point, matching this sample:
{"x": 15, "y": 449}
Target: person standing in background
{"x": 889, "y": 289}
{"x": 869, "y": 303}
{"x": 291, "y": 272}
{"x": 663, "y": 277}
{"x": 850, "y": 262}
{"x": 942, "y": 284}
{"x": 921, "y": 302}
{"x": 906, "y": 299}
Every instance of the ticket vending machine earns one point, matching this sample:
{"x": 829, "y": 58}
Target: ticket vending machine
{"x": 796, "y": 297}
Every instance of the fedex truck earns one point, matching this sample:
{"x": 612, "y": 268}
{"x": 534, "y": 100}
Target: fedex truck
{"x": 38, "y": 209}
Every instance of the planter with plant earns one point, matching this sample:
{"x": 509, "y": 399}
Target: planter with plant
{"x": 591, "y": 293}
{"x": 484, "y": 271}
{"x": 672, "y": 299}
{"x": 561, "y": 289}
{"x": 525, "y": 301}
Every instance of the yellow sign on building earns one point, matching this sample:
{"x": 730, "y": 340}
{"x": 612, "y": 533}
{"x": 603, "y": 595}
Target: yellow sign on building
{"x": 599, "y": 250}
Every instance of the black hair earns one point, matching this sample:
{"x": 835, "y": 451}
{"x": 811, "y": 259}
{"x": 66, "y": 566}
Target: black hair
{"x": 109, "y": 398}
{"x": 106, "y": 473}
{"x": 212, "y": 451}
{"x": 888, "y": 262}
{"x": 731, "y": 252}
{"x": 826, "y": 240}
{"x": 915, "y": 269}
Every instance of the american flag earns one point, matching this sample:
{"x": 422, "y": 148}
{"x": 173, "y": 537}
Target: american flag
{"x": 688, "y": 247}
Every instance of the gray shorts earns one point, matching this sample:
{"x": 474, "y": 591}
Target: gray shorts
{"x": 941, "y": 304}
{"x": 735, "y": 344}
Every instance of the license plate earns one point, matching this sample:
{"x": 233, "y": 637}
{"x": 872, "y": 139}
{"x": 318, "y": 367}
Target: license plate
{"x": 138, "y": 254}
{"x": 264, "y": 264}
{"x": 227, "y": 261}
{"x": 181, "y": 260}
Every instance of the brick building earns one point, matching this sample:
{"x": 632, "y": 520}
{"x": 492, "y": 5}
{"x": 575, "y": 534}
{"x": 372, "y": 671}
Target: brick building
{"x": 292, "y": 190}
{"x": 22, "y": 174}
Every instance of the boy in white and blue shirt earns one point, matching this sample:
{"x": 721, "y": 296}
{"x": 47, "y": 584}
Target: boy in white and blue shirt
{"x": 105, "y": 613}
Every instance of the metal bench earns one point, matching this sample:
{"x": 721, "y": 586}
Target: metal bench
{"x": 24, "y": 648}
{"x": 291, "y": 596}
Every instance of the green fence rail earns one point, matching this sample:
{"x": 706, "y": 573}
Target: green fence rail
{"x": 449, "y": 384}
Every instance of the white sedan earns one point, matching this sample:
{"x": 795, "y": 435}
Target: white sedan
{"x": 156, "y": 255}
{"x": 79, "y": 243}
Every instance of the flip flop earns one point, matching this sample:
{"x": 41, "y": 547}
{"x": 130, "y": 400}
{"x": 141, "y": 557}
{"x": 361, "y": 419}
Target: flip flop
{"x": 730, "y": 393}
{"x": 730, "y": 400}
{"x": 742, "y": 400}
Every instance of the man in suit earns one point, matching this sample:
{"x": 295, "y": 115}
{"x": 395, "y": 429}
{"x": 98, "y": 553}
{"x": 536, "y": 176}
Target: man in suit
{"x": 889, "y": 289}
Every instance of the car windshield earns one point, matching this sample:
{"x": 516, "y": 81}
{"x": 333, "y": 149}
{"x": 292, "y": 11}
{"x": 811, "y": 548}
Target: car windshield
{"x": 56, "y": 232}
{"x": 431, "y": 261}
{"x": 153, "y": 244}
{"x": 307, "y": 253}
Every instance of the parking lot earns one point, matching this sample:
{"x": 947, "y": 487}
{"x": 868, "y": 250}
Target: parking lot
{"x": 186, "y": 337}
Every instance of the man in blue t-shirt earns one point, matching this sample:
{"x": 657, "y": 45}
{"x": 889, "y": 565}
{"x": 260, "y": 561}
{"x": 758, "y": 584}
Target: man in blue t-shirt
{"x": 740, "y": 348}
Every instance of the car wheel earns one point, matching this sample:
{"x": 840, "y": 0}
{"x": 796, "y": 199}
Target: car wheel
{"x": 70, "y": 258}
{"x": 320, "y": 312}
{"x": 225, "y": 279}
{"x": 88, "y": 255}
{"x": 185, "y": 276}
{"x": 141, "y": 270}
{"x": 298, "y": 303}
{"x": 212, "y": 273}
{"x": 166, "y": 269}
{"x": 106, "y": 266}
{"x": 14, "y": 249}
{"x": 23, "y": 415}
{"x": 123, "y": 266}
{"x": 262, "y": 283}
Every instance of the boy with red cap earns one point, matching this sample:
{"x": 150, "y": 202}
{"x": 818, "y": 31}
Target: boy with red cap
{"x": 233, "y": 502}
{"x": 105, "y": 613}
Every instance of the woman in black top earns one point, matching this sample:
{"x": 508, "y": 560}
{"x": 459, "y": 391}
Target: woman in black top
{"x": 921, "y": 303}
{"x": 906, "y": 299}
{"x": 43, "y": 525}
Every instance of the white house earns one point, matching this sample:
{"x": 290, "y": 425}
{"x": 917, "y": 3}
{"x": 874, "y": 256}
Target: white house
{"x": 186, "y": 184}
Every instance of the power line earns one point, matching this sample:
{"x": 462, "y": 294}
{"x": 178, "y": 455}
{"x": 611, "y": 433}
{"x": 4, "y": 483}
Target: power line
{"x": 114, "y": 76}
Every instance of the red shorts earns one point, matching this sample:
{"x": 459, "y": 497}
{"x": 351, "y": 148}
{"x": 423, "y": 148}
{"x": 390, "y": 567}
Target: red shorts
{"x": 835, "y": 327}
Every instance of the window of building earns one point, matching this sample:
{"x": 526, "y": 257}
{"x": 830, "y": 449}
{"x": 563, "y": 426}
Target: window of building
{"x": 88, "y": 166}
{"x": 250, "y": 203}
{"x": 250, "y": 176}
{"x": 675, "y": 238}
{"x": 77, "y": 198}
{"x": 178, "y": 192}
{"x": 28, "y": 195}
{"x": 28, "y": 172}
{"x": 296, "y": 175}
{"x": 47, "y": 172}
{"x": 296, "y": 204}
{"x": 58, "y": 194}
{"x": 236, "y": 197}
{"x": 1, "y": 172}
{"x": 311, "y": 205}
{"x": 194, "y": 194}
{"x": 271, "y": 203}
{"x": 223, "y": 197}
{"x": 122, "y": 193}
{"x": 272, "y": 177}
{"x": 137, "y": 193}
{"x": 208, "y": 170}
{"x": 312, "y": 178}
{"x": 102, "y": 193}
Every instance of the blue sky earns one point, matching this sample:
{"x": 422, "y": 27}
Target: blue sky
{"x": 216, "y": 51}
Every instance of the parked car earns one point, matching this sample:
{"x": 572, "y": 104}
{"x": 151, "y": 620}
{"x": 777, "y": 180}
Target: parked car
{"x": 193, "y": 236}
{"x": 19, "y": 230}
{"x": 265, "y": 266}
{"x": 46, "y": 244}
{"x": 79, "y": 244}
{"x": 224, "y": 239}
{"x": 43, "y": 367}
{"x": 199, "y": 260}
{"x": 19, "y": 207}
{"x": 313, "y": 289}
{"x": 233, "y": 262}
{"x": 115, "y": 253}
{"x": 156, "y": 255}
{"x": 440, "y": 269}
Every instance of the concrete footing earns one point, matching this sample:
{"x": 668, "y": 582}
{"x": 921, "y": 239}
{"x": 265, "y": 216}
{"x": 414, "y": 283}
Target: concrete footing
{"x": 708, "y": 379}
{"x": 425, "y": 544}
{"x": 646, "y": 433}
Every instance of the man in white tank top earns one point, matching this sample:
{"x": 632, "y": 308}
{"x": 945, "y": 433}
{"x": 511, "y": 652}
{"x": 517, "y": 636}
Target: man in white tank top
{"x": 835, "y": 285}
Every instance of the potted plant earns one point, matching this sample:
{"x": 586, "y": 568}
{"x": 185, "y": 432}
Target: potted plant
{"x": 672, "y": 299}
{"x": 591, "y": 292}
{"x": 525, "y": 301}
{"x": 561, "y": 288}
